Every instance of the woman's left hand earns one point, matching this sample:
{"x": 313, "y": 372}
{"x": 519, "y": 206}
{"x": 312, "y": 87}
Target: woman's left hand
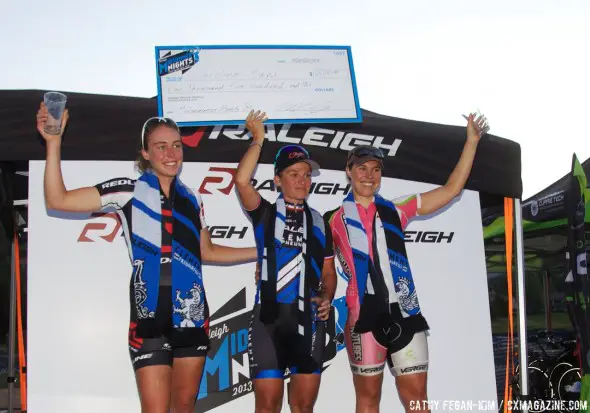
{"x": 324, "y": 307}
{"x": 476, "y": 126}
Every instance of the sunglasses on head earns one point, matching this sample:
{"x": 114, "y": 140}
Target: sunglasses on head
{"x": 153, "y": 121}
{"x": 365, "y": 150}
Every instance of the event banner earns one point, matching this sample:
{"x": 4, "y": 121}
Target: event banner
{"x": 208, "y": 85}
{"x": 78, "y": 298}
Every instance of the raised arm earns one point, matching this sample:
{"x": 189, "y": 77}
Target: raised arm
{"x": 56, "y": 195}
{"x": 249, "y": 197}
{"x": 440, "y": 197}
{"x": 215, "y": 253}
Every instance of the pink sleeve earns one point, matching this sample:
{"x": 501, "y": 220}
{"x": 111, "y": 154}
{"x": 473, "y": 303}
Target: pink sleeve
{"x": 407, "y": 208}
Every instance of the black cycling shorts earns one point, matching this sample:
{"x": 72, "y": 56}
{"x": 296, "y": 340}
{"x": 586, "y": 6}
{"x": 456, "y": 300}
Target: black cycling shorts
{"x": 158, "y": 351}
{"x": 273, "y": 348}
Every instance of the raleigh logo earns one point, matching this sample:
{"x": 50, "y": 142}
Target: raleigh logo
{"x": 227, "y": 232}
{"x": 220, "y": 179}
{"x": 431, "y": 237}
{"x": 218, "y": 332}
{"x": 119, "y": 182}
{"x": 318, "y": 188}
{"x": 107, "y": 227}
{"x": 104, "y": 226}
{"x": 312, "y": 136}
{"x": 194, "y": 139}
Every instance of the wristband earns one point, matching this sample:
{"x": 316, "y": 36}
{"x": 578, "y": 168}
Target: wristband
{"x": 256, "y": 143}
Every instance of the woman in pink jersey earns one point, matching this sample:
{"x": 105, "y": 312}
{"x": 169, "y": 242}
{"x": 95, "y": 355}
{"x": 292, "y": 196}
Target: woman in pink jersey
{"x": 384, "y": 322}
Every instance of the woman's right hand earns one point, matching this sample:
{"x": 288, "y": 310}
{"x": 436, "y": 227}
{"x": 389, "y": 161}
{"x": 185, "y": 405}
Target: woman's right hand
{"x": 42, "y": 116}
{"x": 255, "y": 124}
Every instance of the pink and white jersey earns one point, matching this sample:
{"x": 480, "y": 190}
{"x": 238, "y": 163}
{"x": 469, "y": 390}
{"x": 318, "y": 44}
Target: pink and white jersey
{"x": 366, "y": 356}
{"x": 407, "y": 208}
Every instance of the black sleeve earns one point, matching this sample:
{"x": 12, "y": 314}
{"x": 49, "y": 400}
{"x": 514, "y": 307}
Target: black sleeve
{"x": 116, "y": 192}
{"x": 260, "y": 212}
{"x": 329, "y": 251}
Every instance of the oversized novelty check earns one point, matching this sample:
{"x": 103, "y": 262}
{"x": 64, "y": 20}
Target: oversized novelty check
{"x": 208, "y": 85}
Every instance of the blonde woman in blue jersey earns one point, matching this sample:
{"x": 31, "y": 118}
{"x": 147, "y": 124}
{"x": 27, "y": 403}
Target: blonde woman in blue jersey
{"x": 167, "y": 236}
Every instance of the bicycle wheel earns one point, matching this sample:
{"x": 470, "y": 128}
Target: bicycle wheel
{"x": 568, "y": 387}
{"x": 540, "y": 387}
{"x": 557, "y": 371}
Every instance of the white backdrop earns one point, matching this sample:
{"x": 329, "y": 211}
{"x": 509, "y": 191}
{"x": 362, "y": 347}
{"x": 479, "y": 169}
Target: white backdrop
{"x": 78, "y": 299}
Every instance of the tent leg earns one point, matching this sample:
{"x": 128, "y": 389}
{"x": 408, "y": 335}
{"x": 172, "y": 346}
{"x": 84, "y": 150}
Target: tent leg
{"x": 12, "y": 330}
{"x": 522, "y": 329}
{"x": 547, "y": 287}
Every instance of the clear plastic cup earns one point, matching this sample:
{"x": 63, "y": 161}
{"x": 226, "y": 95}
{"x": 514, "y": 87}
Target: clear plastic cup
{"x": 56, "y": 105}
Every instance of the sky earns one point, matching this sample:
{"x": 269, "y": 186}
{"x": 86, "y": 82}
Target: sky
{"x": 524, "y": 63}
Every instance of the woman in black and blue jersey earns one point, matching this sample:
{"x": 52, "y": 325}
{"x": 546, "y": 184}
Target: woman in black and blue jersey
{"x": 297, "y": 278}
{"x": 167, "y": 237}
